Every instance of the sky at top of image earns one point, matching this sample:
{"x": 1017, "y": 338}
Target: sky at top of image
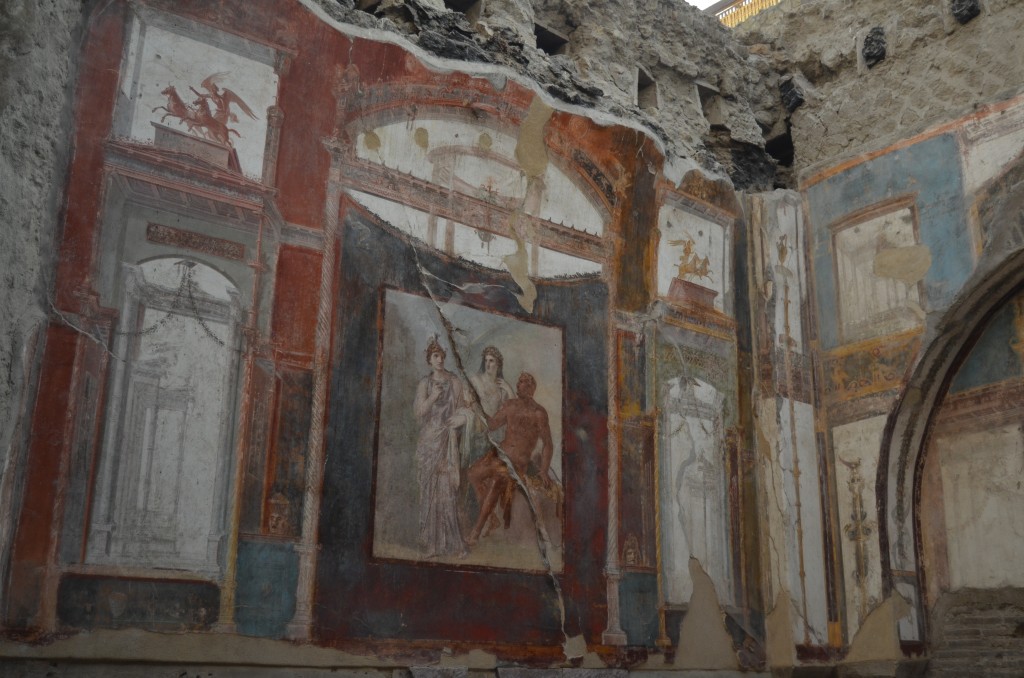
{"x": 702, "y": 4}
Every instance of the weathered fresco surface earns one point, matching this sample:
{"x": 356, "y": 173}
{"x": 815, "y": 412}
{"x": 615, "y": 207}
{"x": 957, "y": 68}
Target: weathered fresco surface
{"x": 363, "y": 349}
{"x": 353, "y": 353}
{"x": 901, "y": 240}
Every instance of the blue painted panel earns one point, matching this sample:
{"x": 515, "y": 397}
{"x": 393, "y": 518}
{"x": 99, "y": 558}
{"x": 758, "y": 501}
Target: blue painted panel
{"x": 929, "y": 169}
{"x": 992, "y": 359}
{"x": 265, "y": 599}
{"x": 638, "y": 607}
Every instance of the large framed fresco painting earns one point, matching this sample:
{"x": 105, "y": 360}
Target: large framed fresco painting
{"x": 458, "y": 423}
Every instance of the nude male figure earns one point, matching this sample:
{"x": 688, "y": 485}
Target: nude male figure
{"x": 526, "y": 423}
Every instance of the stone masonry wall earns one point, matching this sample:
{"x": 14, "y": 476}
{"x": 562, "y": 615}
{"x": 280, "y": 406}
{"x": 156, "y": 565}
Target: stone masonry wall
{"x": 715, "y": 99}
{"x": 934, "y": 69}
{"x": 38, "y": 43}
{"x": 978, "y": 633}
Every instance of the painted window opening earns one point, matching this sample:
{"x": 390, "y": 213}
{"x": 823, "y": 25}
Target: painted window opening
{"x": 878, "y": 290}
{"x": 165, "y": 462}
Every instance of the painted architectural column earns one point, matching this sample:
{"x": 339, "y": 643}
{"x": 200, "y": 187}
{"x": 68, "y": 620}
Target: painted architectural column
{"x": 300, "y": 627}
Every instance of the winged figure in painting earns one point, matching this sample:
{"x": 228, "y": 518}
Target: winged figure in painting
{"x": 690, "y": 264}
{"x": 223, "y": 98}
{"x": 211, "y": 114}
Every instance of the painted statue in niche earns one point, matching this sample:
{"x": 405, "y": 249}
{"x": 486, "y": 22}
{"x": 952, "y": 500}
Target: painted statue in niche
{"x": 456, "y": 447}
{"x": 696, "y": 523}
{"x": 692, "y": 259}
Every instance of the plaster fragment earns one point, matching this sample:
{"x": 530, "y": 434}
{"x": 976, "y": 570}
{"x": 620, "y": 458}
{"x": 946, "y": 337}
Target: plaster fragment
{"x": 422, "y": 138}
{"x": 704, "y": 642}
{"x": 906, "y": 264}
{"x": 574, "y": 647}
{"x": 474, "y": 660}
{"x": 371, "y": 141}
{"x": 531, "y": 151}
{"x": 878, "y": 636}
{"x": 780, "y": 646}
{"x": 518, "y": 265}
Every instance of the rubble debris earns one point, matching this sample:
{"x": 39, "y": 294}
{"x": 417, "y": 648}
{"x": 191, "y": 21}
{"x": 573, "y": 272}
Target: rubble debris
{"x": 873, "y": 49}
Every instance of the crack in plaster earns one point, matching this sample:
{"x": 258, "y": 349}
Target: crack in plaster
{"x": 543, "y": 540}
{"x": 766, "y": 419}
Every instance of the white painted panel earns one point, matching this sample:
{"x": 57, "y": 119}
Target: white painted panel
{"x": 786, "y": 257}
{"x": 707, "y": 241}
{"x": 488, "y": 250}
{"x": 551, "y": 264}
{"x": 983, "y": 491}
{"x": 856, "y": 446}
{"x": 695, "y": 516}
{"x": 406, "y": 219}
{"x": 478, "y": 162}
{"x": 165, "y": 59}
{"x": 873, "y": 305}
{"x": 804, "y": 524}
{"x": 991, "y": 144}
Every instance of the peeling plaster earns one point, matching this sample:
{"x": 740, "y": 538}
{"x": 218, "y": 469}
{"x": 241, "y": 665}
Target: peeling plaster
{"x": 906, "y": 264}
{"x": 371, "y": 141}
{"x": 518, "y": 265}
{"x": 780, "y": 645}
{"x": 531, "y": 151}
{"x": 422, "y": 138}
{"x": 878, "y": 637}
{"x": 475, "y": 659}
{"x": 704, "y": 642}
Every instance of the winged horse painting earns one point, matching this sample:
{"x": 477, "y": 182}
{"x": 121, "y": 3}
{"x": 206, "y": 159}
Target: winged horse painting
{"x": 210, "y": 114}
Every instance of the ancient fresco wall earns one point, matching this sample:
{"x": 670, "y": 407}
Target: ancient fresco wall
{"x": 897, "y": 244}
{"x": 972, "y": 468}
{"x": 355, "y": 348}
{"x": 358, "y": 356}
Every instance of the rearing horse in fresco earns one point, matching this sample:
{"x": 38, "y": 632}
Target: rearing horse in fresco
{"x": 202, "y": 118}
{"x": 177, "y": 108}
{"x": 214, "y": 129}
